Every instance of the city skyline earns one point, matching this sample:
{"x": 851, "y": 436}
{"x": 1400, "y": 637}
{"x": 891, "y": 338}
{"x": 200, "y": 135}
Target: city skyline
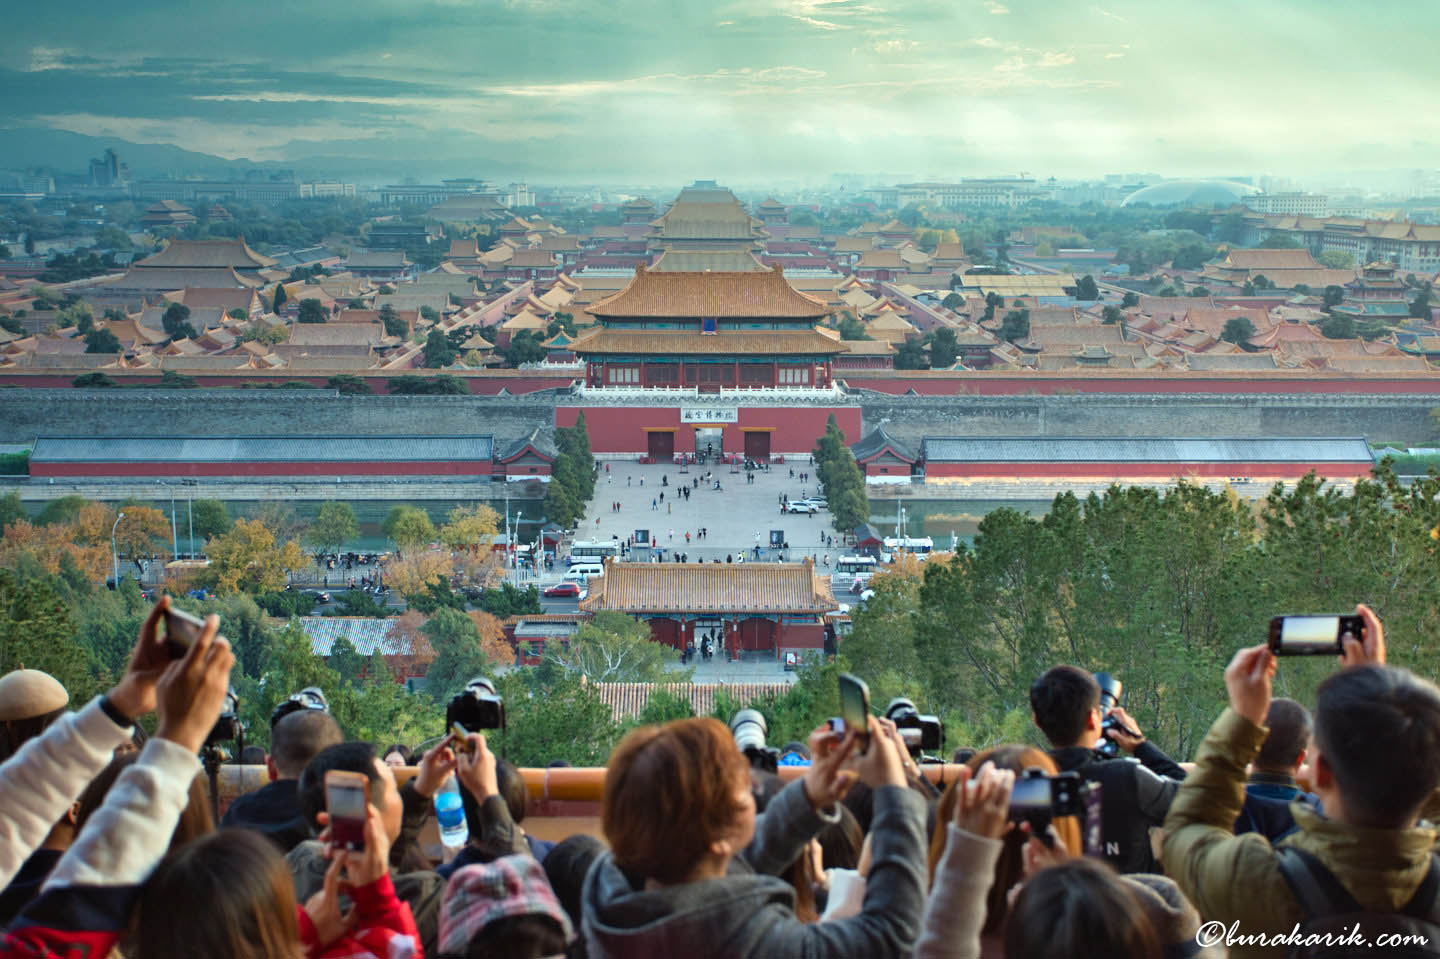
{"x": 743, "y": 91}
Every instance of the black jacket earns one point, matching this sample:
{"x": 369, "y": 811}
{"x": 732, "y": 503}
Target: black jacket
{"x": 1135, "y": 794}
{"x": 273, "y": 811}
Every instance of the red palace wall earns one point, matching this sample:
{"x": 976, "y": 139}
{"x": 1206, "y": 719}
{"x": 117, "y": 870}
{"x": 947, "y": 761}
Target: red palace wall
{"x": 620, "y": 429}
{"x": 1128, "y": 471}
{"x": 261, "y": 469}
{"x": 985, "y": 384}
{"x": 478, "y": 385}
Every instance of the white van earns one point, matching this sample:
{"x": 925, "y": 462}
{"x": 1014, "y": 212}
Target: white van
{"x": 584, "y": 572}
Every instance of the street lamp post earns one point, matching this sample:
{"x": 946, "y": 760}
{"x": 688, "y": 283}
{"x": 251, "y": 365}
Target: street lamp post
{"x": 174, "y": 535}
{"x": 115, "y": 553}
{"x": 518, "y": 514}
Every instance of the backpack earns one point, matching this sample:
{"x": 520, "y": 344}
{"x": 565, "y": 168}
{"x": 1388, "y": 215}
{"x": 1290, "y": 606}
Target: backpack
{"x": 1331, "y": 910}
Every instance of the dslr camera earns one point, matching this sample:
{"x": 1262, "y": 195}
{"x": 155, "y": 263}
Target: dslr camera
{"x": 477, "y": 707}
{"x": 227, "y": 725}
{"x": 311, "y": 697}
{"x": 1038, "y": 798}
{"x": 920, "y": 732}
{"x": 1110, "y": 690}
{"x": 750, "y": 729}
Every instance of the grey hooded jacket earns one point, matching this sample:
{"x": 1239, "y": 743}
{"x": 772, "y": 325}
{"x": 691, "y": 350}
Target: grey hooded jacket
{"x": 751, "y": 913}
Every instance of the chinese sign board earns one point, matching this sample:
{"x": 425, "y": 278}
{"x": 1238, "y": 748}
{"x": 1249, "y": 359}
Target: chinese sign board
{"x": 709, "y": 414}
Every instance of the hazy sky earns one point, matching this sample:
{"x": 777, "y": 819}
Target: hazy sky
{"x": 742, "y": 89}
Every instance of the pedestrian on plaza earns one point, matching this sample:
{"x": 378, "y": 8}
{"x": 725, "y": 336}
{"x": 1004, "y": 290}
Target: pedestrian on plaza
{"x": 669, "y": 507}
{"x": 628, "y": 479}
{"x": 687, "y": 537}
{"x": 653, "y": 505}
{"x": 607, "y": 467}
{"x": 662, "y": 496}
{"x": 792, "y": 474}
{"x": 729, "y": 558}
{"x": 672, "y": 532}
{"x": 827, "y": 560}
{"x": 642, "y": 481}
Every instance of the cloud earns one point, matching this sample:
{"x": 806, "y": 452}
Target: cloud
{"x": 1055, "y": 59}
{"x": 1010, "y": 65}
{"x": 890, "y": 47}
{"x": 996, "y": 8}
{"x": 820, "y": 24}
{"x": 1114, "y": 56}
{"x": 1113, "y": 16}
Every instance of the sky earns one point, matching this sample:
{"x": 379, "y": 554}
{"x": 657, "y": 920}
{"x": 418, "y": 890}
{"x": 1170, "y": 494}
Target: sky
{"x": 743, "y": 90}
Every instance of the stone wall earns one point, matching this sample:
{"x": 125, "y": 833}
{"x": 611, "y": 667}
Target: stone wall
{"x": 24, "y": 414}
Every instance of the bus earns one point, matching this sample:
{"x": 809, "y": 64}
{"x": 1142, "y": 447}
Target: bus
{"x": 915, "y": 546}
{"x": 849, "y": 569}
{"x": 593, "y": 551}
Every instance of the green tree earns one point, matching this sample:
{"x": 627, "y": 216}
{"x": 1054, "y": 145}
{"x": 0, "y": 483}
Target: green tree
{"x": 348, "y": 384}
{"x": 176, "y": 322}
{"x": 614, "y": 648}
{"x": 210, "y": 518}
{"x": 393, "y": 323}
{"x": 524, "y": 348}
{"x": 1015, "y": 326}
{"x": 1199, "y": 291}
{"x": 65, "y": 509}
{"x": 953, "y": 301}
{"x": 1111, "y": 314}
{"x": 553, "y": 715}
{"x": 1338, "y": 326}
{"x": 1129, "y": 300}
{"x": 346, "y": 661}
{"x": 11, "y": 509}
{"x": 311, "y": 311}
{"x": 1420, "y": 306}
{"x": 429, "y": 313}
{"x": 438, "y": 351}
{"x": 102, "y": 341}
{"x": 280, "y": 297}
{"x": 94, "y": 381}
{"x": 1334, "y": 296}
{"x": 850, "y": 328}
{"x": 439, "y": 384}
{"x": 911, "y": 356}
{"x": 408, "y": 526}
{"x": 1238, "y": 330}
{"x": 509, "y": 600}
{"x": 333, "y": 527}
{"x": 1337, "y": 260}
{"x": 357, "y": 603}
{"x": 944, "y": 350}
{"x": 458, "y": 656}
{"x": 1086, "y": 288}
{"x": 171, "y": 380}
{"x": 38, "y": 632}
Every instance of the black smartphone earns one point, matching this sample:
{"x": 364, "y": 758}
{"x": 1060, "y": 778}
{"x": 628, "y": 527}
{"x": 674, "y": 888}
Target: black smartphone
{"x": 855, "y": 707}
{"x": 1313, "y": 634}
{"x": 182, "y": 630}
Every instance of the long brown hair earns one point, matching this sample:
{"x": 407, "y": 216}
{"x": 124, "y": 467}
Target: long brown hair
{"x": 1010, "y": 867}
{"x": 226, "y": 896}
{"x": 195, "y": 818}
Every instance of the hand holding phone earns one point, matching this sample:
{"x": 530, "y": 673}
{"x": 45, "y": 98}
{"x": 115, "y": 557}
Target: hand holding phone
{"x": 855, "y": 709}
{"x": 181, "y": 631}
{"x": 347, "y": 800}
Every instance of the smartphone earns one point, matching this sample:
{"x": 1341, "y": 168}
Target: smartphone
{"x": 347, "y": 795}
{"x": 182, "y": 630}
{"x": 855, "y": 707}
{"x": 459, "y": 740}
{"x": 1313, "y": 634}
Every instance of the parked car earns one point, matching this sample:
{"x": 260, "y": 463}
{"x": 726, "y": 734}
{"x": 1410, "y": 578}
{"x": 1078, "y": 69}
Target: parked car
{"x": 800, "y": 506}
{"x": 568, "y": 590}
{"x": 819, "y": 502}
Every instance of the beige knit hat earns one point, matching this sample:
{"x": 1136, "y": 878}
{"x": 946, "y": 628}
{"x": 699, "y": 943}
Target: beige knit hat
{"x": 28, "y": 693}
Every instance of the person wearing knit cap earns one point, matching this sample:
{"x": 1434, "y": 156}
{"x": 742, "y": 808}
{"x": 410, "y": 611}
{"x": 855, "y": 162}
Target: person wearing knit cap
{"x": 29, "y": 702}
{"x": 502, "y": 908}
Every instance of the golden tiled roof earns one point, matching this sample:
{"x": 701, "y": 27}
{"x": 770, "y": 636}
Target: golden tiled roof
{"x": 748, "y": 588}
{"x": 745, "y": 342}
{"x": 759, "y": 294}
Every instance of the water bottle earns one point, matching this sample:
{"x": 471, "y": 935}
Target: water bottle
{"x": 450, "y": 814}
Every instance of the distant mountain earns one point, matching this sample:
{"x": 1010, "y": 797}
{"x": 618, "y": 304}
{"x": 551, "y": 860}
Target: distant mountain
{"x": 62, "y": 151}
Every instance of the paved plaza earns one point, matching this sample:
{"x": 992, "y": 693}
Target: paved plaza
{"x": 736, "y": 517}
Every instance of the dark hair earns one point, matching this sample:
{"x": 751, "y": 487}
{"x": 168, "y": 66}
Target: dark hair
{"x": 860, "y": 800}
{"x": 527, "y": 936}
{"x": 566, "y": 867}
{"x": 406, "y": 753}
{"x": 299, "y": 737}
{"x": 355, "y": 757}
{"x": 1378, "y": 728}
{"x": 670, "y": 791}
{"x": 195, "y": 818}
{"x": 14, "y": 733}
{"x": 840, "y": 841}
{"x": 252, "y": 756}
{"x": 512, "y": 788}
{"x": 1289, "y": 736}
{"x": 962, "y": 755}
{"x": 226, "y": 896}
{"x": 1062, "y": 700}
{"x": 1077, "y": 910}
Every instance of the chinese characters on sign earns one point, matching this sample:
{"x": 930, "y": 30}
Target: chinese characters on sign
{"x": 709, "y": 414}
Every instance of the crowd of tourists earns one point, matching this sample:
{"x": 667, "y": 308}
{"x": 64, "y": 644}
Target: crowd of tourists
{"x": 1295, "y": 826}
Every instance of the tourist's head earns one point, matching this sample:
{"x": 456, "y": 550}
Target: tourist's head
{"x": 228, "y": 895}
{"x": 354, "y": 757}
{"x": 398, "y": 755}
{"x": 1377, "y": 745}
{"x": 195, "y": 818}
{"x": 298, "y": 738}
{"x": 502, "y": 908}
{"x": 1079, "y": 909}
{"x": 677, "y": 799}
{"x": 30, "y": 701}
{"x": 1065, "y": 702}
{"x": 1289, "y": 737}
